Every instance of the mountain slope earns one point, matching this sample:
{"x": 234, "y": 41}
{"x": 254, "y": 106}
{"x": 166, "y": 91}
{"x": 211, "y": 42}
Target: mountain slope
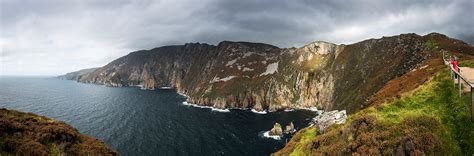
{"x": 418, "y": 113}
{"x": 262, "y": 76}
{"x": 431, "y": 120}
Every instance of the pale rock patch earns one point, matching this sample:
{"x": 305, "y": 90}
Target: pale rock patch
{"x": 271, "y": 68}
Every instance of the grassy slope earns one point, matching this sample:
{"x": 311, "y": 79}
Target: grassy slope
{"x": 30, "y": 134}
{"x": 431, "y": 119}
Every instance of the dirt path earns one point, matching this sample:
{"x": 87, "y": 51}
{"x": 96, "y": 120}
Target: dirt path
{"x": 468, "y": 73}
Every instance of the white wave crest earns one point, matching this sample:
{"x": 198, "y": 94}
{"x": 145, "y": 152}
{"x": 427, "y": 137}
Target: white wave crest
{"x": 259, "y": 112}
{"x": 209, "y": 107}
{"x": 267, "y": 135}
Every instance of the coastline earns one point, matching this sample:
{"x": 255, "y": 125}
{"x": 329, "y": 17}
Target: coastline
{"x": 313, "y": 109}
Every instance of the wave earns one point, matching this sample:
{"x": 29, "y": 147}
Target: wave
{"x": 209, "y": 107}
{"x": 266, "y": 134}
{"x": 182, "y": 94}
{"x": 314, "y": 109}
{"x": 259, "y": 112}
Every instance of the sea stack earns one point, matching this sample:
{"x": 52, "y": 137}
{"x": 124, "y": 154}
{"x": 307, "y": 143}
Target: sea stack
{"x": 290, "y": 128}
{"x": 276, "y": 130}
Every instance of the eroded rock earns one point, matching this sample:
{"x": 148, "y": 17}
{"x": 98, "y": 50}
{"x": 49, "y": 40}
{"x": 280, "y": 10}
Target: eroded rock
{"x": 290, "y": 128}
{"x": 276, "y": 130}
{"x": 326, "y": 119}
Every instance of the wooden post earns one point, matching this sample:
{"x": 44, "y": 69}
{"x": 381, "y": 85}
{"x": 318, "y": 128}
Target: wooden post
{"x": 459, "y": 83}
{"x": 452, "y": 76}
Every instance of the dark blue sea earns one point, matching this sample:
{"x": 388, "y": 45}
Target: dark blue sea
{"x": 144, "y": 122}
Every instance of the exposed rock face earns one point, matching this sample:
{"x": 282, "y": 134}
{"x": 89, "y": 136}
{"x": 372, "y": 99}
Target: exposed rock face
{"x": 290, "y": 128}
{"x": 276, "y": 130}
{"x": 262, "y": 76}
{"x": 29, "y": 134}
{"x": 326, "y": 119}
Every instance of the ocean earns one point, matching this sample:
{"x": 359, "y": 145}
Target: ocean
{"x": 147, "y": 122}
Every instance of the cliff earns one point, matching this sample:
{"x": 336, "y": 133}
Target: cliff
{"x": 77, "y": 74}
{"x": 30, "y": 134}
{"x": 262, "y": 76}
{"x": 417, "y": 113}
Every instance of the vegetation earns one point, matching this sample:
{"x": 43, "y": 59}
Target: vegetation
{"x": 431, "y": 119}
{"x": 29, "y": 134}
{"x": 431, "y": 44}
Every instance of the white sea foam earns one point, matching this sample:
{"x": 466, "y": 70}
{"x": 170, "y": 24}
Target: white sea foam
{"x": 220, "y": 110}
{"x": 166, "y": 87}
{"x": 267, "y": 135}
{"x": 209, "y": 107}
{"x": 259, "y": 112}
{"x": 182, "y": 94}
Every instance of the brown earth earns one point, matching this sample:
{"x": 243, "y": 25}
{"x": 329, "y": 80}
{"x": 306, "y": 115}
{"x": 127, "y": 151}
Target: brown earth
{"x": 394, "y": 88}
{"x": 411, "y": 80}
{"x": 30, "y": 134}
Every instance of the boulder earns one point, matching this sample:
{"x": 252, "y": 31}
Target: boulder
{"x": 326, "y": 119}
{"x": 276, "y": 130}
{"x": 290, "y": 128}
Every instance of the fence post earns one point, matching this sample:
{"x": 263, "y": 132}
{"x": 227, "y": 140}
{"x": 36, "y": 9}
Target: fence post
{"x": 459, "y": 83}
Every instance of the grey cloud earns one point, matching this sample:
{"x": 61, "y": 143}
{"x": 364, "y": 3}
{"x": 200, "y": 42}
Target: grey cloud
{"x": 80, "y": 34}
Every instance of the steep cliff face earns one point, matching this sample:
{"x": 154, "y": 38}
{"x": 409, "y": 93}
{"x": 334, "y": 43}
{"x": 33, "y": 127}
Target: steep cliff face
{"x": 262, "y": 76}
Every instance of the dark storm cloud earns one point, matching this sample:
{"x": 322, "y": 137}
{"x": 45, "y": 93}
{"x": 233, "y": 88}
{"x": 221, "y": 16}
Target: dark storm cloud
{"x": 56, "y": 36}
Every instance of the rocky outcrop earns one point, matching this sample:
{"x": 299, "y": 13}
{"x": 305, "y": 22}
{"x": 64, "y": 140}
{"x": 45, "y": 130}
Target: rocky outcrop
{"x": 276, "y": 130}
{"x": 290, "y": 128}
{"x": 29, "y": 134}
{"x": 326, "y": 119}
{"x": 264, "y": 77}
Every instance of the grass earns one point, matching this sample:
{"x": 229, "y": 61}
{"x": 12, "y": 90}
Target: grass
{"x": 432, "y": 118}
{"x": 438, "y": 99}
{"x": 306, "y": 136}
{"x": 431, "y": 44}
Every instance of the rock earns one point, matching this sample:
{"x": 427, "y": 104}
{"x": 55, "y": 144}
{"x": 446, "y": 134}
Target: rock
{"x": 276, "y": 130}
{"x": 290, "y": 128}
{"x": 326, "y": 119}
{"x": 320, "y": 74}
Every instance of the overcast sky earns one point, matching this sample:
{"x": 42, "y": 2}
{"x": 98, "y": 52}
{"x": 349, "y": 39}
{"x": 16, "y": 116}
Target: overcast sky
{"x": 51, "y": 37}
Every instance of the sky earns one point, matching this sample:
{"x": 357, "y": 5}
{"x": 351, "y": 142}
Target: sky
{"x": 52, "y": 37}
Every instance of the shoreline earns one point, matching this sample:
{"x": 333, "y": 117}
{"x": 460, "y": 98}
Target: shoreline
{"x": 312, "y": 109}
